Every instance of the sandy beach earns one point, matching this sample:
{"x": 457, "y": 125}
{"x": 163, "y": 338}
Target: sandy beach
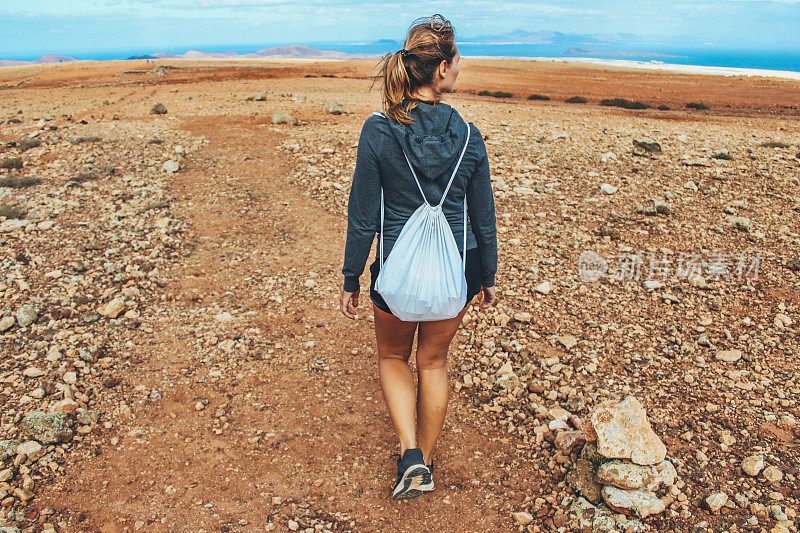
{"x": 170, "y": 283}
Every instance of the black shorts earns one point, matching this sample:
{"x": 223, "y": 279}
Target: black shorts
{"x": 472, "y": 272}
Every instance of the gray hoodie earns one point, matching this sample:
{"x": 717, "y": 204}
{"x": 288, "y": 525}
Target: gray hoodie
{"x": 432, "y": 143}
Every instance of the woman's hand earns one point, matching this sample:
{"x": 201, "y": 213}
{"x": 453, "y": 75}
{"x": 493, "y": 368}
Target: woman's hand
{"x": 348, "y": 301}
{"x": 488, "y": 297}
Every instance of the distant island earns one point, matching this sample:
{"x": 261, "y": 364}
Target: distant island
{"x": 297, "y": 51}
{"x": 573, "y": 51}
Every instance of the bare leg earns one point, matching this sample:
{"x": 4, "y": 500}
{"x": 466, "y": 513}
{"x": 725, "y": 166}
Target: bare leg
{"x": 432, "y": 346}
{"x": 395, "y": 338}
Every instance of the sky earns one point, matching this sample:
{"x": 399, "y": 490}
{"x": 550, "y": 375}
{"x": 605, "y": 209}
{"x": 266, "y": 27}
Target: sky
{"x": 33, "y": 27}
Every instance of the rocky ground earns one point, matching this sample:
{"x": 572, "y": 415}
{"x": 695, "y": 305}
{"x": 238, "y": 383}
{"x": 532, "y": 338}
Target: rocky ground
{"x": 173, "y": 358}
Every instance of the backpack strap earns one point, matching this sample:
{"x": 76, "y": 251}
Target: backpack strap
{"x": 441, "y": 201}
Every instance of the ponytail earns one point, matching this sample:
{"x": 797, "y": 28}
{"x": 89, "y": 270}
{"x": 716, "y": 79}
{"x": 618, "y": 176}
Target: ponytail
{"x": 430, "y": 41}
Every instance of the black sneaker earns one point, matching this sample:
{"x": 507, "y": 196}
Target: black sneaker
{"x": 428, "y": 487}
{"x": 411, "y": 475}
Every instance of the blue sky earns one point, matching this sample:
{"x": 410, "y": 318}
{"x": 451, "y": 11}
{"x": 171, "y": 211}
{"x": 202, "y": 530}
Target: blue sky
{"x": 33, "y": 27}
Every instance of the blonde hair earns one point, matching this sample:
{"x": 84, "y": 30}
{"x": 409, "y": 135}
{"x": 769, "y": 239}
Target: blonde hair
{"x": 430, "y": 40}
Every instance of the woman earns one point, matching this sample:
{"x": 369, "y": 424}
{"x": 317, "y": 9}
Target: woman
{"x": 416, "y": 125}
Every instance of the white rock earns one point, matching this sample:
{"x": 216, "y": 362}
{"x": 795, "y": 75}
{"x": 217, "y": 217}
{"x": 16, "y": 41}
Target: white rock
{"x": 544, "y": 288}
{"x": 773, "y": 474}
{"x": 729, "y": 356}
{"x": 113, "y": 308}
{"x": 716, "y": 501}
{"x": 171, "y": 166}
{"x": 753, "y": 465}
{"x": 224, "y": 317}
{"x": 522, "y": 517}
{"x": 32, "y": 372}
{"x": 6, "y": 322}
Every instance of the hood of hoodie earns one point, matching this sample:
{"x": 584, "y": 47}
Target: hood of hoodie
{"x": 433, "y": 141}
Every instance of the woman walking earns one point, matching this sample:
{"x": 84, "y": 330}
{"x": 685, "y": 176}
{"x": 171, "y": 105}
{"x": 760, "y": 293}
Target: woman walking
{"x": 418, "y": 149}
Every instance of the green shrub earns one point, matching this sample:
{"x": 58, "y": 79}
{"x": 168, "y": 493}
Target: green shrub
{"x": 11, "y": 162}
{"x": 663, "y": 107}
{"x": 723, "y": 155}
{"x": 774, "y": 144}
{"x": 496, "y": 94}
{"x": 538, "y": 97}
{"x": 696, "y": 105}
{"x": 85, "y": 176}
{"x": 27, "y": 144}
{"x": 88, "y": 139}
{"x": 9, "y": 212}
{"x": 576, "y": 100}
{"x": 622, "y": 102}
{"x": 18, "y": 182}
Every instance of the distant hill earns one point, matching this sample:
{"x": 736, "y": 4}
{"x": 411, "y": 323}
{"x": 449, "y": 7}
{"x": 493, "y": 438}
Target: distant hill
{"x": 553, "y": 37}
{"x": 43, "y": 59}
{"x": 296, "y": 51}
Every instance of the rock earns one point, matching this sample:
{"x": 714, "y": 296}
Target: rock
{"x": 568, "y": 342}
{"x": 26, "y": 315}
{"x": 523, "y": 317}
{"x": 742, "y": 224}
{"x": 582, "y": 479}
{"x": 47, "y": 428}
{"x": 64, "y": 406}
{"x": 773, "y": 474}
{"x": 591, "y": 518}
{"x": 7, "y": 448}
{"x": 653, "y": 284}
{"x": 623, "y": 432}
{"x": 87, "y": 417}
{"x": 570, "y": 440}
{"x": 283, "y": 118}
{"x": 171, "y": 166}
{"x": 333, "y": 108}
{"x": 716, "y": 501}
{"x": 782, "y": 320}
{"x": 32, "y": 372}
{"x": 729, "y": 356}
{"x": 663, "y": 207}
{"x": 522, "y": 517}
{"x": 627, "y": 475}
{"x": 624, "y": 474}
{"x": 641, "y": 503}
{"x": 646, "y": 148}
{"x": 753, "y": 465}
{"x": 113, "y": 308}
{"x": 158, "y": 109}
{"x": 608, "y": 188}
{"x": 23, "y": 494}
{"x": 6, "y": 322}
{"x": 225, "y": 316}
{"x": 544, "y": 288}
{"x": 29, "y": 448}
{"x": 589, "y": 452}
{"x": 664, "y": 473}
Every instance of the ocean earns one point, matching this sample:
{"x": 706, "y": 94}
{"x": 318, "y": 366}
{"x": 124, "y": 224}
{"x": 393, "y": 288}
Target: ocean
{"x": 780, "y": 60}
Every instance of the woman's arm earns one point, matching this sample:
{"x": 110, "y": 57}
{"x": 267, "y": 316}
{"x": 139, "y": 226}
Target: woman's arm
{"x": 480, "y": 206}
{"x": 363, "y": 207}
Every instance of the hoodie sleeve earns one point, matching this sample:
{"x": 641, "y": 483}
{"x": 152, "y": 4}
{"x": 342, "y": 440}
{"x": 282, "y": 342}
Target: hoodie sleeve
{"x": 363, "y": 206}
{"x": 480, "y": 206}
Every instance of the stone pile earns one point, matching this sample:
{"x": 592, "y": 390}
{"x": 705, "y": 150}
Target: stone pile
{"x": 621, "y": 465}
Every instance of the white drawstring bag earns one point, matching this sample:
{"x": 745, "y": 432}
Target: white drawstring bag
{"x": 424, "y": 276}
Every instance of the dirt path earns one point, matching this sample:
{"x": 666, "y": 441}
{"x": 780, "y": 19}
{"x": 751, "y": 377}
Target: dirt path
{"x": 294, "y": 427}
